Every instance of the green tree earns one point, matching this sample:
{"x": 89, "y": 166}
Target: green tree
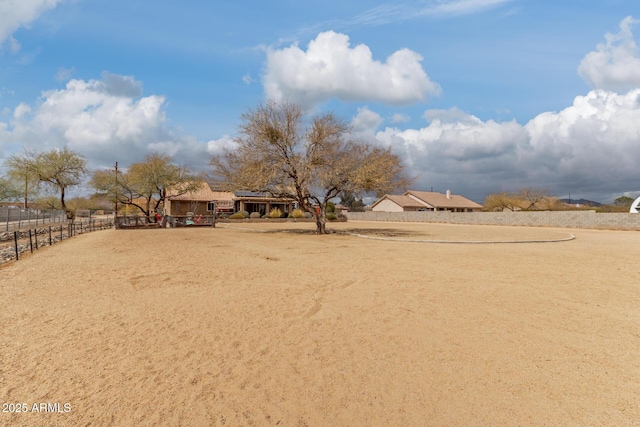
{"x": 145, "y": 185}
{"x": 352, "y": 201}
{"x": 49, "y": 202}
{"x": 275, "y": 154}
{"x": 624, "y": 201}
{"x": 8, "y": 191}
{"x": 58, "y": 169}
{"x": 331, "y": 207}
{"x": 20, "y": 180}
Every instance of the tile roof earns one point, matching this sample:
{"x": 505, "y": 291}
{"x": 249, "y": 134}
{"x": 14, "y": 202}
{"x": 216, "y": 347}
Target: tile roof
{"x": 404, "y": 201}
{"x": 202, "y": 194}
{"x": 439, "y": 200}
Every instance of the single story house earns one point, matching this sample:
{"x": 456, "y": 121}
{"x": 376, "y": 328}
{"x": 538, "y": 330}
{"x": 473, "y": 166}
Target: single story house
{"x": 205, "y": 201}
{"x": 262, "y": 203}
{"x": 425, "y": 201}
{"x": 202, "y": 201}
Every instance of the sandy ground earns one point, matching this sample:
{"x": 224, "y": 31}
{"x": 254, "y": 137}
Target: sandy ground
{"x": 212, "y": 327}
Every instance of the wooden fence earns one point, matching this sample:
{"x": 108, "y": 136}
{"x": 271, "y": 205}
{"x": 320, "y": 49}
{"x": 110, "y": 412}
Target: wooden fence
{"x": 14, "y": 243}
{"x": 142, "y": 222}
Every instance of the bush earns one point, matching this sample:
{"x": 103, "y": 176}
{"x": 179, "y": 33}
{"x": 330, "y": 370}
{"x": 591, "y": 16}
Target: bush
{"x": 297, "y": 213}
{"x": 254, "y": 215}
{"x": 244, "y": 214}
{"x": 331, "y": 207}
{"x": 332, "y": 217}
{"x": 308, "y": 215}
{"x": 237, "y": 215}
{"x": 275, "y": 213}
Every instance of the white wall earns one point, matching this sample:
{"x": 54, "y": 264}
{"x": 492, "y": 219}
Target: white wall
{"x": 387, "y": 206}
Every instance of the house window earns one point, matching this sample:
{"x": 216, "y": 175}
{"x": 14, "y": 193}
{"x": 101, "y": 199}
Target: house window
{"x": 211, "y": 206}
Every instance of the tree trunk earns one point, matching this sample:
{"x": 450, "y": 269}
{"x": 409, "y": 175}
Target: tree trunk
{"x": 64, "y": 206}
{"x": 321, "y": 220}
{"x": 148, "y": 211}
{"x": 26, "y": 193}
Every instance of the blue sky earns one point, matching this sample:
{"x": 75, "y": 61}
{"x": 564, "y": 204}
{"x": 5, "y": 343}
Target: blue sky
{"x": 475, "y": 95}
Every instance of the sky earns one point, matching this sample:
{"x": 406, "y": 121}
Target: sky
{"x": 475, "y": 96}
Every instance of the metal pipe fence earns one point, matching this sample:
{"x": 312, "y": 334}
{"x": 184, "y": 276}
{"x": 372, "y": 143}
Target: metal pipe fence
{"x": 16, "y": 242}
{"x": 16, "y": 218}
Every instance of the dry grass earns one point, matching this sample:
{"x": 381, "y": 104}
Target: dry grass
{"x": 225, "y": 326}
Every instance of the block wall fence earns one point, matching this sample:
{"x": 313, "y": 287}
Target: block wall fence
{"x": 563, "y": 219}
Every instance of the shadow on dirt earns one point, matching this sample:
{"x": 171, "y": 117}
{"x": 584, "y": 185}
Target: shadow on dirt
{"x": 381, "y": 232}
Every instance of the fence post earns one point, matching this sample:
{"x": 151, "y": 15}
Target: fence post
{"x": 50, "y": 241}
{"x": 30, "y": 241}
{"x": 61, "y": 232}
{"x": 19, "y": 218}
{"x": 35, "y": 231}
{"x": 15, "y": 240}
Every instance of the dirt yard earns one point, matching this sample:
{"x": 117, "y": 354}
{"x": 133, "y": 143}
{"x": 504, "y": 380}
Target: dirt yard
{"x": 240, "y": 327}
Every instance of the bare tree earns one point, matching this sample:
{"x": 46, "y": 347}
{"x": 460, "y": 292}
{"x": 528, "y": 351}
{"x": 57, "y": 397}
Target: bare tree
{"x": 275, "y": 154}
{"x": 145, "y": 184}
{"x": 501, "y": 202}
{"x": 532, "y": 197}
{"x": 58, "y": 169}
{"x": 528, "y": 199}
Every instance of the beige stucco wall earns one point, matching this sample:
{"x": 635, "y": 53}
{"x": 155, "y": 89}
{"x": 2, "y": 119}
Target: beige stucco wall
{"x": 569, "y": 219}
{"x": 387, "y": 205}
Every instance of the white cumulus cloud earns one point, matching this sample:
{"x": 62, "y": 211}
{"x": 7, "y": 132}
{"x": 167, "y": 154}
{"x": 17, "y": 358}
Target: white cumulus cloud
{"x": 20, "y": 13}
{"x": 615, "y": 64}
{"x": 332, "y": 68}
{"x": 217, "y": 146}
{"x": 590, "y": 147}
{"x": 400, "y": 118}
{"x": 105, "y": 120}
{"x": 366, "y": 121}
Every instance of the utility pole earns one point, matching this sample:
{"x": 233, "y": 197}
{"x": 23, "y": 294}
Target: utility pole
{"x": 115, "y": 212}
{"x": 26, "y": 191}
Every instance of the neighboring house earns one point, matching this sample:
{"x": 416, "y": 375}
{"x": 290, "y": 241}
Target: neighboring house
{"x": 341, "y": 209}
{"x": 425, "y": 201}
{"x": 262, "y": 203}
{"x": 397, "y": 203}
{"x": 202, "y": 201}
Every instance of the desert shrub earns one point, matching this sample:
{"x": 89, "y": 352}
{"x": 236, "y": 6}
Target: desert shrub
{"x": 297, "y": 213}
{"x": 331, "y": 216}
{"x": 254, "y": 215}
{"x": 275, "y": 213}
{"x": 244, "y": 213}
{"x": 331, "y": 207}
{"x": 237, "y": 215}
